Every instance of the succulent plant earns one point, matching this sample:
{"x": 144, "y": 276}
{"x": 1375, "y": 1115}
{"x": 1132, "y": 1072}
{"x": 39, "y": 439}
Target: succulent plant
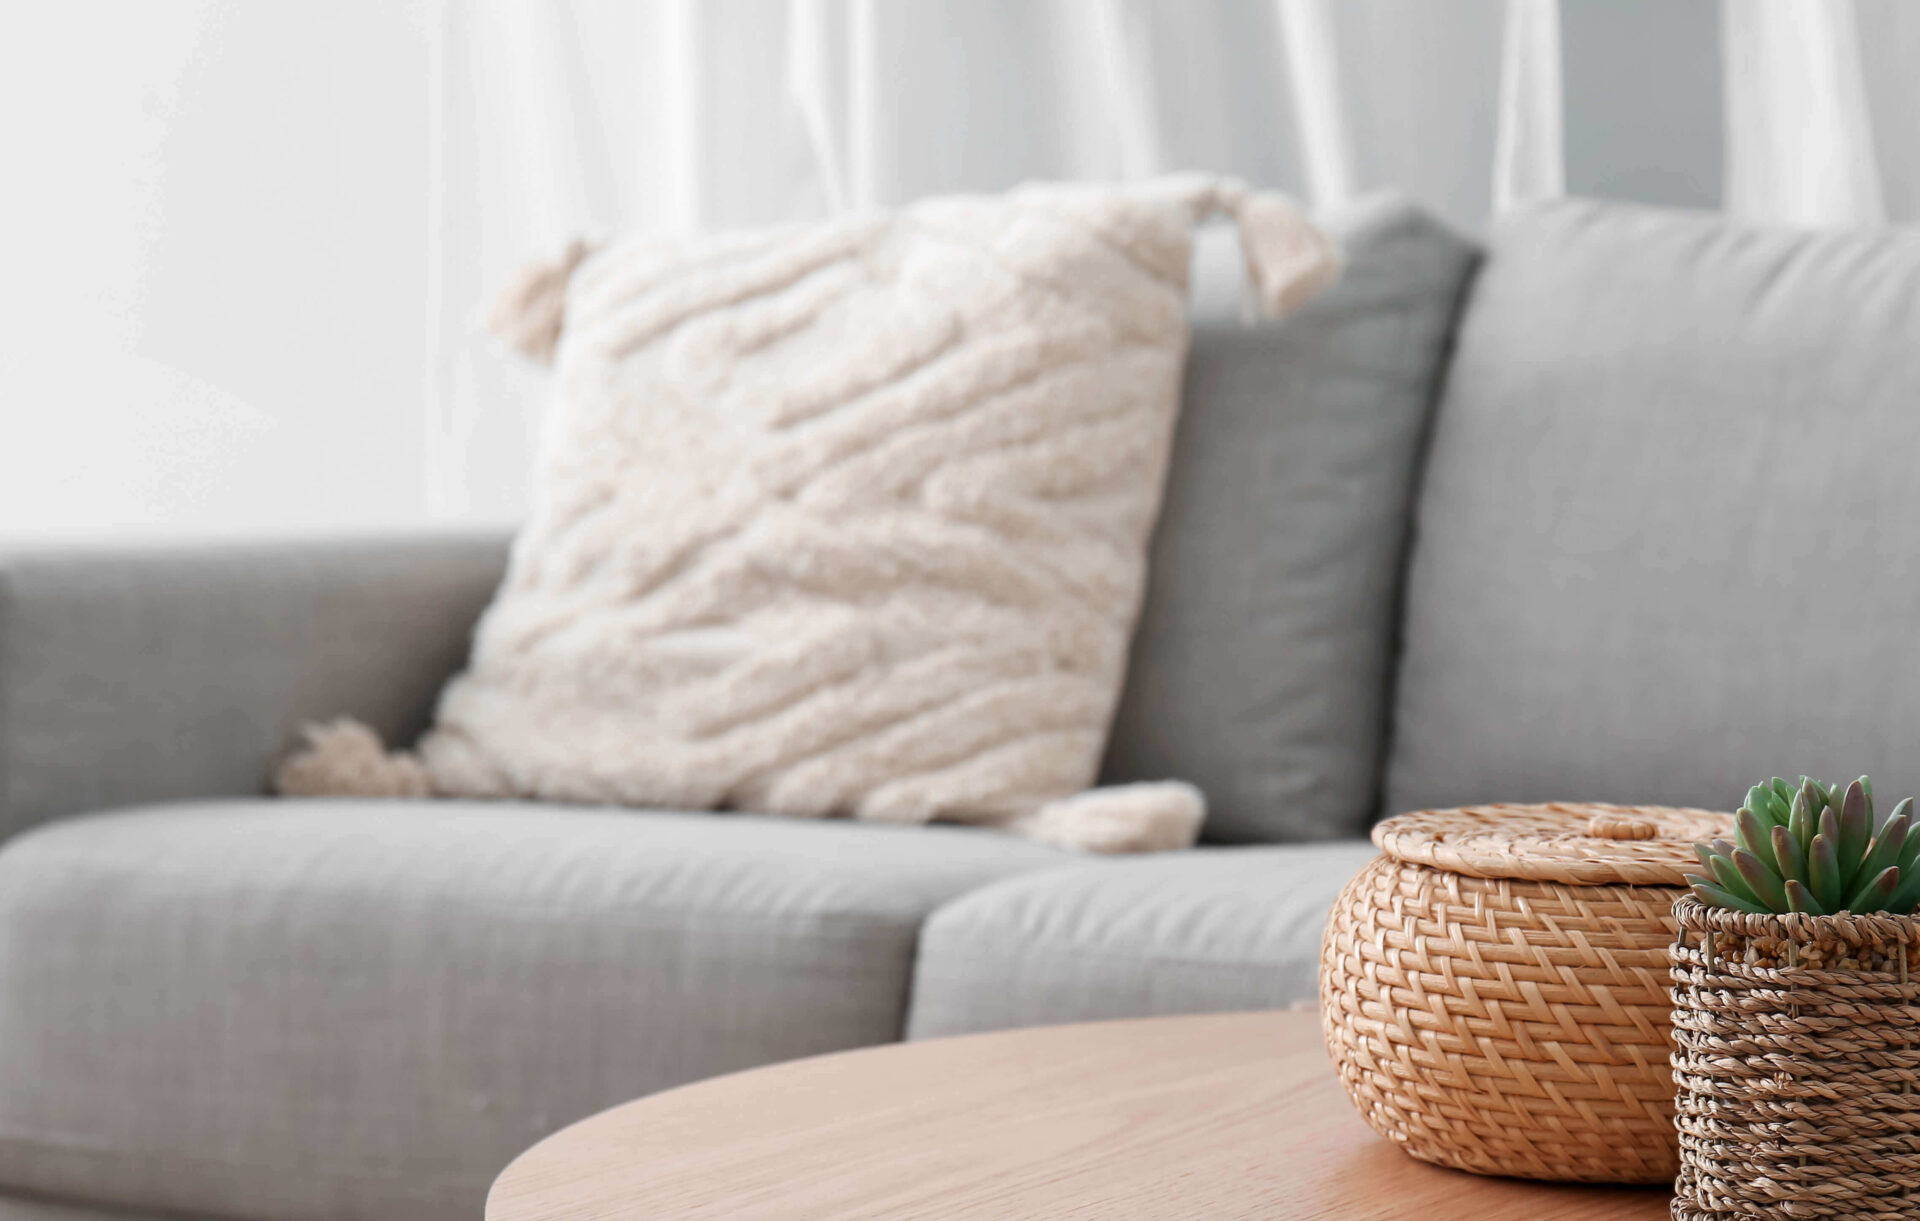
{"x": 1813, "y": 848}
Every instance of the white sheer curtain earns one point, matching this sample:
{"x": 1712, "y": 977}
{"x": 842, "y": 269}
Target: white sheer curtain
{"x": 555, "y": 117}
{"x": 1800, "y": 147}
{"x": 1530, "y": 161}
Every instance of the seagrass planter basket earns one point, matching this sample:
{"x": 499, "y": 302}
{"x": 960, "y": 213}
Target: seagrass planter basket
{"x": 1494, "y": 987}
{"x": 1796, "y": 1064}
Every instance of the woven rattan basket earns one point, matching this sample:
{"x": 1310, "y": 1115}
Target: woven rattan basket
{"x": 1494, "y": 987}
{"x": 1796, "y": 1065}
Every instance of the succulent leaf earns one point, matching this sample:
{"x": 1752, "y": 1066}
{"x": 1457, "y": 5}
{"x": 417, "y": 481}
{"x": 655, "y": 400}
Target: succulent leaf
{"x": 1885, "y": 850}
{"x": 1800, "y": 819}
{"x": 1728, "y": 875}
{"x": 1797, "y": 898}
{"x": 1752, "y": 833}
{"x": 1792, "y": 857}
{"x": 1904, "y": 807}
{"x": 1816, "y": 792}
{"x": 1824, "y": 873}
{"x": 1762, "y": 883}
{"x": 1856, "y": 802}
{"x": 1856, "y": 832}
{"x": 1714, "y": 896}
{"x": 1907, "y": 894}
{"x": 1872, "y": 894}
{"x": 1857, "y": 796}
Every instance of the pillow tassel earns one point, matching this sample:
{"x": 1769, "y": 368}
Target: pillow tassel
{"x": 1154, "y": 816}
{"x": 1290, "y": 260}
{"x": 531, "y": 311}
{"x": 345, "y": 758}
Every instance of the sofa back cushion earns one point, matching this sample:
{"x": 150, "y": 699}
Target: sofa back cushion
{"x": 1260, "y": 664}
{"x": 1666, "y": 540}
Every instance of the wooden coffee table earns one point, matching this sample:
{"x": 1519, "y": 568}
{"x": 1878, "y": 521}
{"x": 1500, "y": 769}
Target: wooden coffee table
{"x": 1237, "y": 1115}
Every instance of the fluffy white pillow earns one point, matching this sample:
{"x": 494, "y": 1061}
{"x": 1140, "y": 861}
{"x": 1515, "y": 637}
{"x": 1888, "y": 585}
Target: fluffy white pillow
{"x": 845, "y": 519}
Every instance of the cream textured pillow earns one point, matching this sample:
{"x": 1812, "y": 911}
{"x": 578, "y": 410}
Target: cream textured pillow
{"x": 847, "y": 519}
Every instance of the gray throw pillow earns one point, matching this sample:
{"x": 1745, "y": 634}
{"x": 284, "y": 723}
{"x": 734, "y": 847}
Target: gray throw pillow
{"x": 1667, "y": 540}
{"x": 1260, "y": 665}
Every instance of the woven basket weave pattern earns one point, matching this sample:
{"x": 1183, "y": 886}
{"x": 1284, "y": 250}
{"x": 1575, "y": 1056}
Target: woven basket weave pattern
{"x": 1505, "y": 1027}
{"x": 1494, "y": 988}
{"x": 1798, "y": 1088}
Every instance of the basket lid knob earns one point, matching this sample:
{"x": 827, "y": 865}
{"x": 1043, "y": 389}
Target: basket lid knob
{"x": 1613, "y": 826}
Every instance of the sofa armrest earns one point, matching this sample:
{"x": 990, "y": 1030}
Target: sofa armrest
{"x": 147, "y": 676}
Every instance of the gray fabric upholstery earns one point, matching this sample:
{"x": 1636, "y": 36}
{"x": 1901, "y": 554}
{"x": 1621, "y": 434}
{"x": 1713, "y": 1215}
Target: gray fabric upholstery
{"x": 1260, "y": 665}
{"x": 1192, "y": 932}
{"x": 20, "y": 1208}
{"x": 314, "y": 1011}
{"x": 164, "y": 674}
{"x": 1666, "y": 540}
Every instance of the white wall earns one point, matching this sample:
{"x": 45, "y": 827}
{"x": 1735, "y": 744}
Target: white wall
{"x": 212, "y": 284}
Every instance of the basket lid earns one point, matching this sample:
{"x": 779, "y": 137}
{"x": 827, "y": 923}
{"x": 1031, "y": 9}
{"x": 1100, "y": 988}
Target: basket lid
{"x": 1582, "y": 843}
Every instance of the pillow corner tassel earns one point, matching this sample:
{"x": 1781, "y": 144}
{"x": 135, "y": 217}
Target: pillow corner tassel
{"x": 531, "y": 310}
{"x": 1290, "y": 259}
{"x": 1149, "y": 816}
{"x": 345, "y": 758}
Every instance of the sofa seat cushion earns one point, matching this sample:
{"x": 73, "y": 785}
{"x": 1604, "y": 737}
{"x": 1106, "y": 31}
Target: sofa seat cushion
{"x": 337, "y": 1009}
{"x": 1193, "y": 932}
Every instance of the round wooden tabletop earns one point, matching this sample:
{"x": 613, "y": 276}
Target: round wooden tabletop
{"x": 1236, "y": 1115}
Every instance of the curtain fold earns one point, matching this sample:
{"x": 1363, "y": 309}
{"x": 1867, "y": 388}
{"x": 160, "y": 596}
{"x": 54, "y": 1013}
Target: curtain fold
{"x": 556, "y": 117}
{"x": 1530, "y": 161}
{"x": 1800, "y": 143}
{"x": 1309, "y": 49}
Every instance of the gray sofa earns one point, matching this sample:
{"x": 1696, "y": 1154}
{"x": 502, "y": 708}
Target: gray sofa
{"x": 1626, "y": 510}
